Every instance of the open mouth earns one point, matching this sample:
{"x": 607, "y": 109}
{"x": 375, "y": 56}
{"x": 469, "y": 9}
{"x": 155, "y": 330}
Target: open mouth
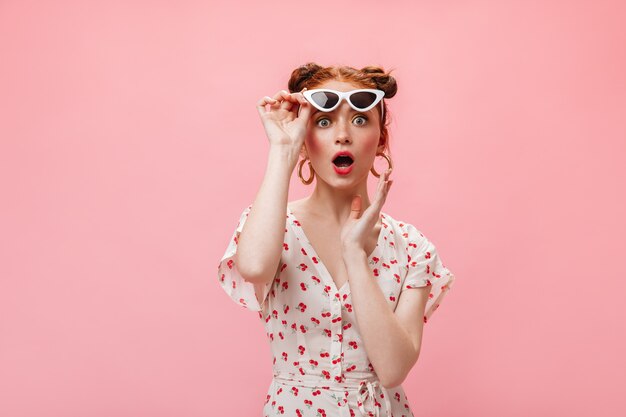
{"x": 343, "y": 161}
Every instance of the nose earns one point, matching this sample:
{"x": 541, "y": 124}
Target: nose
{"x": 343, "y": 130}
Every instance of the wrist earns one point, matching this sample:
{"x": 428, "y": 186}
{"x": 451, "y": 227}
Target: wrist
{"x": 353, "y": 253}
{"x": 286, "y": 154}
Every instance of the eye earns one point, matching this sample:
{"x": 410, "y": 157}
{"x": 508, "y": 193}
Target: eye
{"x": 321, "y": 120}
{"x": 361, "y": 117}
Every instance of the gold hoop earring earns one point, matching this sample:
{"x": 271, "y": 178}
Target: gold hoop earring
{"x": 376, "y": 174}
{"x": 310, "y": 180}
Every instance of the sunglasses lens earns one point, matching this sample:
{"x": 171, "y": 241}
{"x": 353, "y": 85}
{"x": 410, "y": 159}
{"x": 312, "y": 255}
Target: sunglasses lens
{"x": 325, "y": 99}
{"x": 362, "y": 99}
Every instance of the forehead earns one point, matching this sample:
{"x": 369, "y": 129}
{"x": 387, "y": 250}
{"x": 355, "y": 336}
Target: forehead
{"x": 338, "y": 85}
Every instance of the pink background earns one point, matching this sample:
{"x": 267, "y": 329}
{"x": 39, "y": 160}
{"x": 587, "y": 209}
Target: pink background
{"x": 130, "y": 144}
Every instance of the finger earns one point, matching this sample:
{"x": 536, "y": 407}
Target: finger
{"x": 355, "y": 208}
{"x": 260, "y": 105}
{"x": 279, "y": 97}
{"x": 291, "y": 100}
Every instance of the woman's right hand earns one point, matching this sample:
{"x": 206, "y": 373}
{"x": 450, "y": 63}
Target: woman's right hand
{"x": 282, "y": 123}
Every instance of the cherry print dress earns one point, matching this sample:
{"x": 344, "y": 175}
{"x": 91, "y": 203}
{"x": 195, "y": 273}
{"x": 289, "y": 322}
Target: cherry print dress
{"x": 320, "y": 368}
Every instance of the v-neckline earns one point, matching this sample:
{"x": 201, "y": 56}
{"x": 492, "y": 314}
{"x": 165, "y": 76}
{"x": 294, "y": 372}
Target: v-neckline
{"x": 304, "y": 240}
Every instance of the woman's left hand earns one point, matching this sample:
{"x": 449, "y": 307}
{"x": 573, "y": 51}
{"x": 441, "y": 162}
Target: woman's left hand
{"x": 358, "y": 228}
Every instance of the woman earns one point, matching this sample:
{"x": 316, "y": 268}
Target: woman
{"x": 331, "y": 275}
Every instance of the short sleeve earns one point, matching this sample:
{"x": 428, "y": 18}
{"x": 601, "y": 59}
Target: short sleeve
{"x": 238, "y": 289}
{"x": 425, "y": 268}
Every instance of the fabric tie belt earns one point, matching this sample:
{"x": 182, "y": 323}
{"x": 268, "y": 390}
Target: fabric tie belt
{"x": 366, "y": 390}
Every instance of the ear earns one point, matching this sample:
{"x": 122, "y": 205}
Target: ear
{"x": 381, "y": 144}
{"x": 303, "y": 152}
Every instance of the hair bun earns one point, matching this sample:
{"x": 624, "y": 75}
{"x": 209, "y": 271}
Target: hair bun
{"x": 384, "y": 81}
{"x": 300, "y": 75}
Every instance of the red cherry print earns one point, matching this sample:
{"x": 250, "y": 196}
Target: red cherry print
{"x": 301, "y": 350}
{"x": 397, "y": 277}
{"x": 327, "y": 289}
{"x": 316, "y": 279}
{"x": 302, "y": 371}
{"x": 294, "y": 391}
{"x": 326, "y": 374}
{"x": 282, "y": 268}
{"x": 308, "y": 402}
{"x": 284, "y": 354}
{"x": 313, "y": 362}
{"x": 303, "y": 251}
{"x": 285, "y": 246}
{"x": 325, "y": 313}
{"x": 298, "y": 412}
{"x": 327, "y": 332}
{"x": 296, "y": 363}
{"x": 275, "y": 314}
{"x": 348, "y": 307}
{"x": 281, "y": 409}
{"x": 301, "y": 307}
{"x": 230, "y": 264}
{"x": 303, "y": 328}
{"x": 340, "y": 337}
{"x": 336, "y": 319}
{"x": 294, "y": 327}
{"x": 386, "y": 265}
{"x": 314, "y": 259}
{"x": 284, "y": 323}
{"x": 427, "y": 256}
{"x": 345, "y": 296}
{"x": 271, "y": 336}
{"x": 393, "y": 261}
{"x": 279, "y": 391}
{"x": 347, "y": 326}
{"x": 397, "y": 396}
{"x": 285, "y": 285}
{"x": 392, "y": 298}
{"x": 302, "y": 267}
{"x": 303, "y": 286}
{"x": 314, "y": 320}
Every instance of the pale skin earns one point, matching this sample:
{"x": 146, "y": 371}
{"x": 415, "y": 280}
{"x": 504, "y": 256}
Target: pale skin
{"x": 343, "y": 225}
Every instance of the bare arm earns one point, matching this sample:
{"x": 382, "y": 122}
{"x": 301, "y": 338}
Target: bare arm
{"x": 261, "y": 240}
{"x": 391, "y": 348}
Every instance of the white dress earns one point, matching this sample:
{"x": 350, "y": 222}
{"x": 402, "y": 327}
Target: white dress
{"x": 320, "y": 367}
